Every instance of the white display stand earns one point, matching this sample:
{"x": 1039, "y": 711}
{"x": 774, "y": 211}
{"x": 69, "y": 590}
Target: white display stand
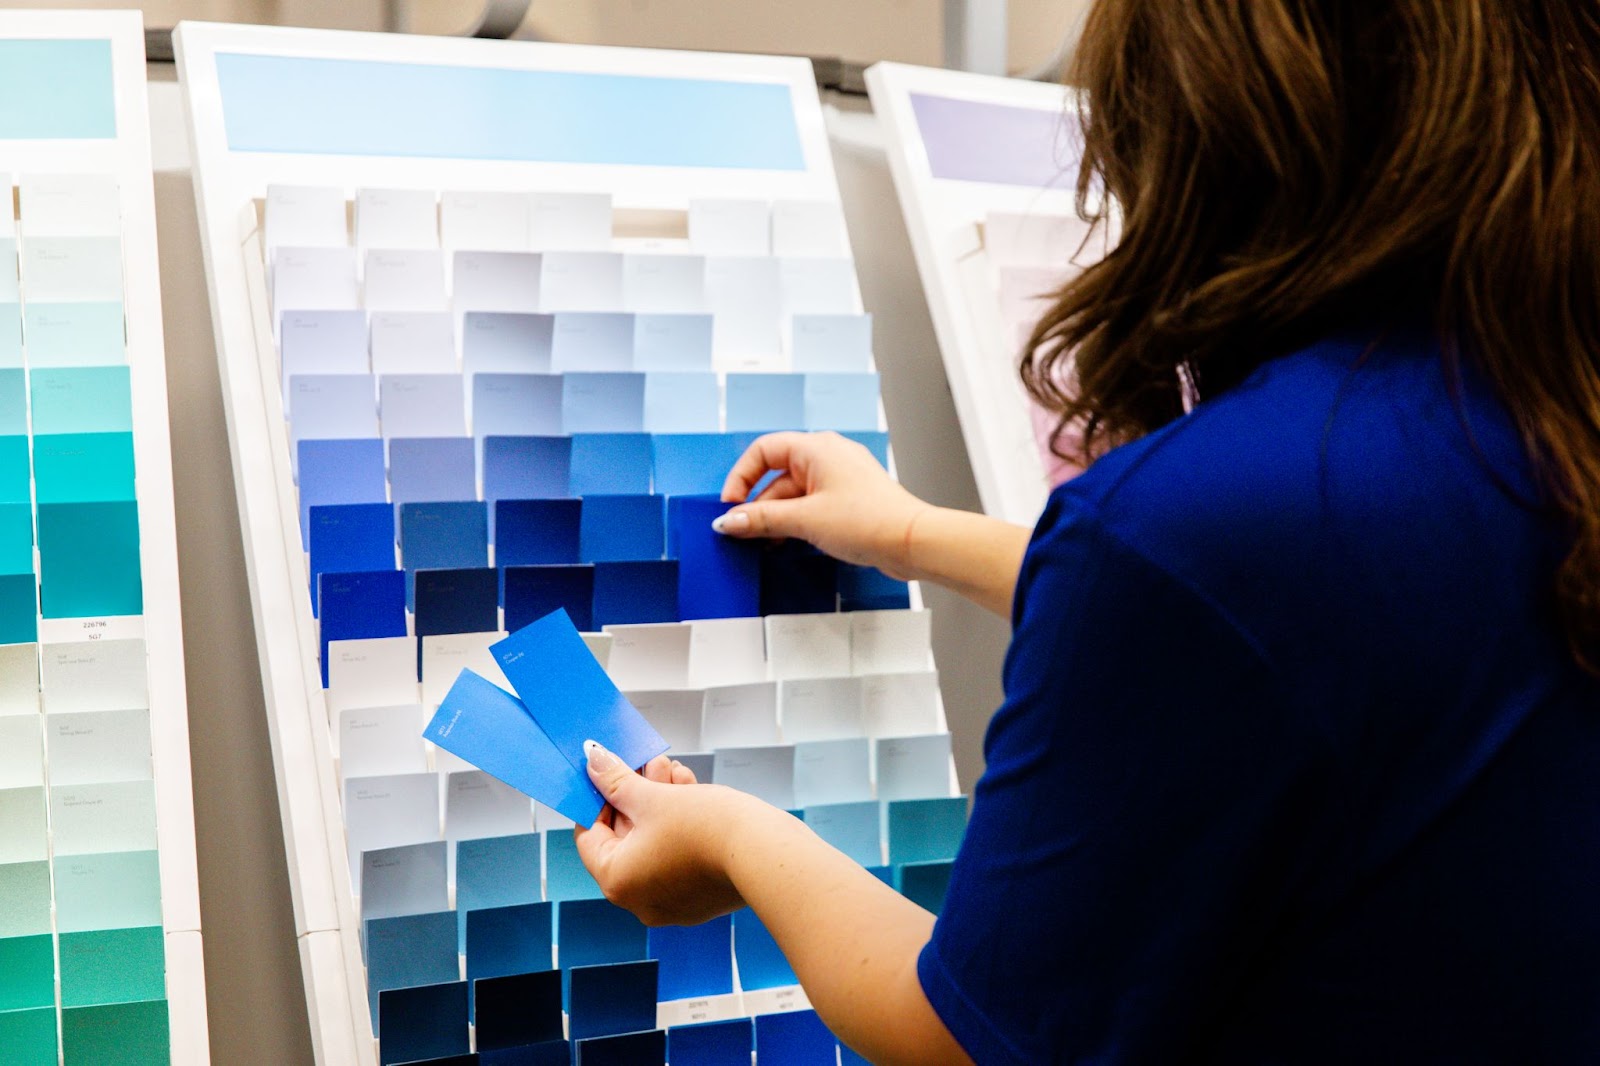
{"x": 650, "y": 204}
{"x": 125, "y": 157}
{"x": 945, "y": 217}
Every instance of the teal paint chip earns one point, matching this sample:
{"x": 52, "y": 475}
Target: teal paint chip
{"x": 13, "y": 401}
{"x": 10, "y": 334}
{"x": 27, "y": 972}
{"x": 15, "y": 470}
{"x": 88, "y": 399}
{"x": 83, "y": 467}
{"x": 113, "y": 966}
{"x": 19, "y": 609}
{"x": 56, "y": 90}
{"x": 29, "y": 1036}
{"x": 89, "y": 560}
{"x": 121, "y": 1034}
{"x": 16, "y": 538}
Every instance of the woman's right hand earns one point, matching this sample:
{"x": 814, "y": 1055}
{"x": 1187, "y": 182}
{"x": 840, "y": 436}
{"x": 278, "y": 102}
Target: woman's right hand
{"x": 830, "y": 492}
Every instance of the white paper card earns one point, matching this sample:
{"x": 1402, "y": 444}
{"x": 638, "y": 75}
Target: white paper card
{"x": 315, "y": 279}
{"x": 389, "y": 810}
{"x": 832, "y": 771}
{"x": 485, "y": 221}
{"x": 890, "y": 642}
{"x": 477, "y": 805}
{"x": 413, "y": 342}
{"x": 913, "y": 767}
{"x": 373, "y": 672}
{"x": 820, "y": 709}
{"x": 397, "y": 218}
{"x": 740, "y": 716}
{"x": 19, "y": 679}
{"x": 808, "y": 645}
{"x": 305, "y": 216}
{"x": 411, "y": 879}
{"x": 664, "y": 284}
{"x": 727, "y": 651}
{"x": 22, "y": 750}
{"x": 408, "y": 280}
{"x": 380, "y": 741}
{"x": 332, "y": 406}
{"x": 495, "y": 281}
{"x": 836, "y": 344}
{"x": 90, "y": 819}
{"x": 675, "y": 714}
{"x": 649, "y": 656}
{"x": 24, "y": 825}
{"x": 96, "y": 746}
{"x": 422, "y": 405}
{"x": 819, "y": 287}
{"x": 321, "y": 342}
{"x": 70, "y": 205}
{"x": 107, "y": 675}
{"x": 571, "y": 221}
{"x": 808, "y": 228}
{"x": 581, "y": 281}
{"x": 444, "y": 657}
{"x": 766, "y": 773}
{"x": 900, "y": 705}
{"x": 745, "y": 295}
{"x": 730, "y": 227}
{"x": 72, "y": 269}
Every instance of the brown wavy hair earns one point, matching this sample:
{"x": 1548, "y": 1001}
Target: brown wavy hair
{"x": 1280, "y": 167}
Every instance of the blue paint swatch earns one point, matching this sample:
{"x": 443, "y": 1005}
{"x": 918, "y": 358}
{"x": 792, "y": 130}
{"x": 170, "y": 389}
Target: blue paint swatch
{"x": 696, "y": 463}
{"x": 465, "y": 600}
{"x": 56, "y": 90}
{"x": 494, "y": 872}
{"x": 718, "y": 576}
{"x": 925, "y": 830}
{"x": 926, "y": 883}
{"x": 632, "y": 593}
{"x": 864, "y": 588}
{"x": 842, "y": 402}
{"x": 610, "y": 463}
{"x": 506, "y": 342}
{"x": 592, "y": 932}
{"x": 526, "y": 468}
{"x": 674, "y": 342}
{"x": 446, "y": 534}
{"x": 16, "y": 538}
{"x": 416, "y": 949}
{"x": 696, "y": 960}
{"x": 536, "y": 533}
{"x": 853, "y": 828}
{"x": 339, "y": 471}
{"x": 726, "y": 1043}
{"x": 422, "y": 1022}
{"x": 89, "y": 559}
{"x": 566, "y": 878}
{"x": 74, "y": 334}
{"x": 428, "y": 469}
{"x": 794, "y": 1038}
{"x": 361, "y": 605}
{"x": 348, "y": 537}
{"x": 516, "y": 405}
{"x": 511, "y": 940}
{"x": 602, "y": 403}
{"x": 622, "y": 528}
{"x": 19, "y": 608}
{"x": 15, "y": 470}
{"x": 611, "y": 999}
{"x": 520, "y": 1008}
{"x": 83, "y": 399}
{"x": 531, "y": 592}
{"x": 761, "y": 962}
{"x": 765, "y": 402}
{"x": 345, "y": 107}
{"x": 798, "y": 579}
{"x": 681, "y": 403}
{"x": 14, "y": 402}
{"x": 624, "y": 1049}
{"x": 83, "y": 467}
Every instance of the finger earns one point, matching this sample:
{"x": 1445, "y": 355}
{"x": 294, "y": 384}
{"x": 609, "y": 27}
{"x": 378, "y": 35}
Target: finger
{"x": 618, "y": 784}
{"x": 658, "y": 769}
{"x": 782, "y": 488}
{"x": 774, "y": 519}
{"x": 775, "y": 451}
{"x": 682, "y": 775}
{"x": 595, "y": 845}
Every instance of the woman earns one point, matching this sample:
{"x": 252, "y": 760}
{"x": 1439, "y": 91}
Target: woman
{"x": 1300, "y": 755}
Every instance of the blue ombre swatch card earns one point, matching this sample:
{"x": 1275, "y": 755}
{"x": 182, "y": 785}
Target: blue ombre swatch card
{"x": 602, "y": 403}
{"x": 566, "y": 878}
{"x": 840, "y": 344}
{"x": 492, "y": 730}
{"x": 322, "y": 342}
{"x": 537, "y": 533}
{"x": 876, "y": 442}
{"x": 623, "y": 1048}
{"x": 494, "y": 872}
{"x": 725, "y": 1043}
{"x": 794, "y": 1038}
{"x": 444, "y": 534}
{"x": 461, "y": 600}
{"x": 333, "y": 406}
{"x": 673, "y": 342}
{"x": 853, "y": 828}
{"x": 718, "y": 577}
{"x": 531, "y": 592}
{"x": 593, "y": 932}
{"x": 346, "y": 537}
{"x": 866, "y": 588}
{"x": 842, "y": 402}
{"x": 696, "y": 960}
{"x": 339, "y": 471}
{"x": 505, "y": 342}
{"x": 526, "y": 468}
{"x": 422, "y": 1022}
{"x": 617, "y": 463}
{"x": 761, "y": 403}
{"x": 695, "y": 463}
{"x": 568, "y": 693}
{"x": 417, "y": 949}
{"x": 358, "y": 605}
{"x": 925, "y": 830}
{"x": 516, "y": 405}
{"x": 761, "y": 962}
{"x": 511, "y": 940}
{"x": 592, "y": 341}
{"x": 635, "y": 593}
{"x": 681, "y": 402}
{"x": 621, "y": 528}
{"x": 612, "y": 999}
{"x": 429, "y": 469}
{"x": 520, "y": 1008}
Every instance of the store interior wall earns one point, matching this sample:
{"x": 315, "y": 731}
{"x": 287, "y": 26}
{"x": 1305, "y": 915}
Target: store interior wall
{"x": 255, "y": 995}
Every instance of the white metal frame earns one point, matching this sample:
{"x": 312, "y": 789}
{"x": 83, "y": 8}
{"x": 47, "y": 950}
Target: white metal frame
{"x": 944, "y": 219}
{"x": 227, "y": 186}
{"x": 127, "y": 158}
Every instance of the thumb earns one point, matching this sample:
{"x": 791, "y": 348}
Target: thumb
{"x": 773, "y": 519}
{"x": 611, "y": 776}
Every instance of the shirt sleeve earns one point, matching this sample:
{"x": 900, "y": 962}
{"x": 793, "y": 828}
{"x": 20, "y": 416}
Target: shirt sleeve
{"x": 1139, "y": 826}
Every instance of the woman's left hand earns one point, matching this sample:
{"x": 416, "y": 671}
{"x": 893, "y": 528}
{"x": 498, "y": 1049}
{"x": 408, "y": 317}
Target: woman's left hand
{"x": 659, "y": 848}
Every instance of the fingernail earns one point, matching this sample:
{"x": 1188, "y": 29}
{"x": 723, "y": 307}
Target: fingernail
{"x": 600, "y": 760}
{"x": 732, "y": 522}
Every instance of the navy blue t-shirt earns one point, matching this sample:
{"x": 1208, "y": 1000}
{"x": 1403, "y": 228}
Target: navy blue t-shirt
{"x": 1294, "y": 765}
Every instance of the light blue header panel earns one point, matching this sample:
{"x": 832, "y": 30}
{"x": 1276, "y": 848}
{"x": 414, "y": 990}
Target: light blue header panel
{"x": 56, "y": 90}
{"x": 313, "y": 106}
